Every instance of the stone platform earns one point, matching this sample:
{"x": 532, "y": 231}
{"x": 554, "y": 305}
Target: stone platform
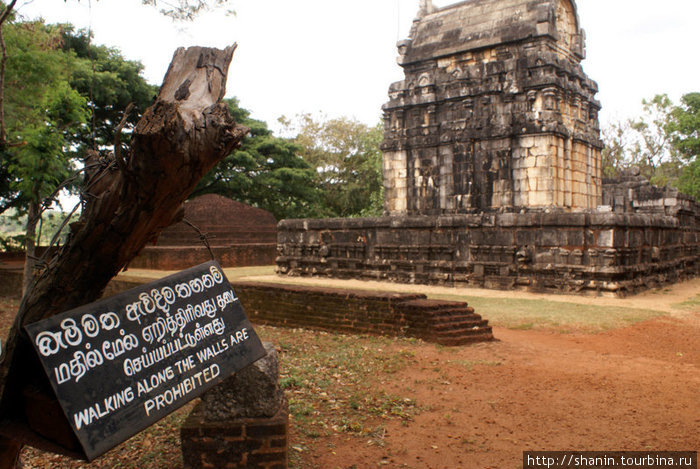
{"x": 586, "y": 253}
{"x": 363, "y": 312}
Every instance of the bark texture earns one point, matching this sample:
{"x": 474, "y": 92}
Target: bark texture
{"x": 178, "y": 140}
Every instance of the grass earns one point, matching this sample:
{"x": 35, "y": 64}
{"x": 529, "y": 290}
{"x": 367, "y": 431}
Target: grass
{"x": 692, "y": 304}
{"x": 526, "y": 314}
{"x": 333, "y": 383}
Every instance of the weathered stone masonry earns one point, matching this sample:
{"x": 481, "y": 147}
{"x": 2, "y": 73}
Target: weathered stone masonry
{"x": 492, "y": 170}
{"x": 494, "y": 113}
{"x": 355, "y": 312}
{"x": 559, "y": 252}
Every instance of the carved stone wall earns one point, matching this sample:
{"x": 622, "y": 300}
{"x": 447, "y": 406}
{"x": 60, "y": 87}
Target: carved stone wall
{"x": 586, "y": 253}
{"x": 492, "y": 170}
{"x": 494, "y": 112}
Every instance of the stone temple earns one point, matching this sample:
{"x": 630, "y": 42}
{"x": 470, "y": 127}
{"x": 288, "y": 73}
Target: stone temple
{"x": 492, "y": 170}
{"x": 495, "y": 112}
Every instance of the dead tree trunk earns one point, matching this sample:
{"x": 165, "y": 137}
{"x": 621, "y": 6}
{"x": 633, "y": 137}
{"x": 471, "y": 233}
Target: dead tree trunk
{"x": 178, "y": 140}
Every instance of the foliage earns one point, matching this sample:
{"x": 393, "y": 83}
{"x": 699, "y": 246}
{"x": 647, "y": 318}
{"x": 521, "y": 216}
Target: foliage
{"x": 42, "y": 112}
{"x": 59, "y": 88}
{"x": 689, "y": 180}
{"x": 617, "y": 137}
{"x": 348, "y": 161}
{"x": 663, "y": 143}
{"x": 188, "y": 10}
{"x": 109, "y": 82}
{"x": 684, "y": 128}
{"x": 265, "y": 172}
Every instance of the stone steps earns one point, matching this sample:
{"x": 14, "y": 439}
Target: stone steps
{"x": 445, "y": 322}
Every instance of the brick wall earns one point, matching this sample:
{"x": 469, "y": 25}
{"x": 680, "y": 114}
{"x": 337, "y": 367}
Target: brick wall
{"x": 11, "y": 281}
{"x": 241, "y": 443}
{"x": 363, "y": 312}
{"x": 356, "y": 312}
{"x": 184, "y": 257}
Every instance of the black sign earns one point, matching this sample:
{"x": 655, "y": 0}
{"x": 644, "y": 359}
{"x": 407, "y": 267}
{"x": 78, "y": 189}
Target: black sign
{"x": 122, "y": 363}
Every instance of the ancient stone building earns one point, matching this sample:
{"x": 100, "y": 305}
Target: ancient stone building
{"x": 492, "y": 170}
{"x": 494, "y": 112}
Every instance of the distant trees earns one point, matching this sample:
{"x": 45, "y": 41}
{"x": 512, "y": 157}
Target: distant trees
{"x": 663, "y": 142}
{"x": 266, "y": 171}
{"x": 326, "y": 168}
{"x": 684, "y": 127}
{"x": 62, "y": 97}
{"x": 348, "y": 162}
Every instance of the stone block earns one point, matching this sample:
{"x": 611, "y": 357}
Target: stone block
{"x": 252, "y": 392}
{"x": 606, "y": 238}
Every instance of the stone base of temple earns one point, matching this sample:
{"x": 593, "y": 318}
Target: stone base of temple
{"x": 585, "y": 253}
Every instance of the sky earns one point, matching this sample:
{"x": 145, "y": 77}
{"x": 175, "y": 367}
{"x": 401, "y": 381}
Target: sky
{"x": 338, "y": 57}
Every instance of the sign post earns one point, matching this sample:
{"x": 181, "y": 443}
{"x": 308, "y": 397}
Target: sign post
{"x": 120, "y": 364}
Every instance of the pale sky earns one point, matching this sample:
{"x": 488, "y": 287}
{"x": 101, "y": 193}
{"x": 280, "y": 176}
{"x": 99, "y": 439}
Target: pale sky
{"x": 339, "y": 56}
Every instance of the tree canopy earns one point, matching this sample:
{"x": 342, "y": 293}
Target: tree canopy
{"x": 266, "y": 171}
{"x": 663, "y": 142}
{"x": 42, "y": 112}
{"x": 348, "y": 162}
{"x": 684, "y": 127}
{"x": 109, "y": 82}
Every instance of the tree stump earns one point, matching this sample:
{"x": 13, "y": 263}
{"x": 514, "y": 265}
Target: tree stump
{"x": 182, "y": 136}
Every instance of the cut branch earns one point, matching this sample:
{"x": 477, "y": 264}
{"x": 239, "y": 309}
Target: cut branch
{"x": 174, "y": 144}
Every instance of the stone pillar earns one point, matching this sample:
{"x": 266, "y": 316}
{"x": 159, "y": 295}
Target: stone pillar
{"x": 242, "y": 423}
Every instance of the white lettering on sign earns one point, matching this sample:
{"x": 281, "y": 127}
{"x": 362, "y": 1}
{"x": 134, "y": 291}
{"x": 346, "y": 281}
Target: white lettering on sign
{"x": 101, "y": 409}
{"x": 51, "y": 342}
{"x": 239, "y": 336}
{"x": 186, "y": 386}
{"x": 124, "y": 362}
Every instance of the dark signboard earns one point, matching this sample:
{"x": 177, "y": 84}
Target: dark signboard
{"x": 122, "y": 363}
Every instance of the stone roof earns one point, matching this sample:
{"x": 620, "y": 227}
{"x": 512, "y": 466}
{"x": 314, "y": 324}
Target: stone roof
{"x": 477, "y": 24}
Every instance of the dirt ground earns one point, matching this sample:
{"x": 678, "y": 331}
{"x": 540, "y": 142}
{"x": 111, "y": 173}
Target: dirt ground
{"x": 636, "y": 388}
{"x": 661, "y": 299}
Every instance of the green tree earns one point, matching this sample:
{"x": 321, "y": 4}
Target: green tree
{"x": 644, "y": 142}
{"x": 348, "y": 161}
{"x": 63, "y": 96}
{"x": 109, "y": 82}
{"x": 42, "y": 112}
{"x": 664, "y": 142}
{"x": 652, "y": 149}
{"x": 265, "y": 172}
{"x": 684, "y": 128}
